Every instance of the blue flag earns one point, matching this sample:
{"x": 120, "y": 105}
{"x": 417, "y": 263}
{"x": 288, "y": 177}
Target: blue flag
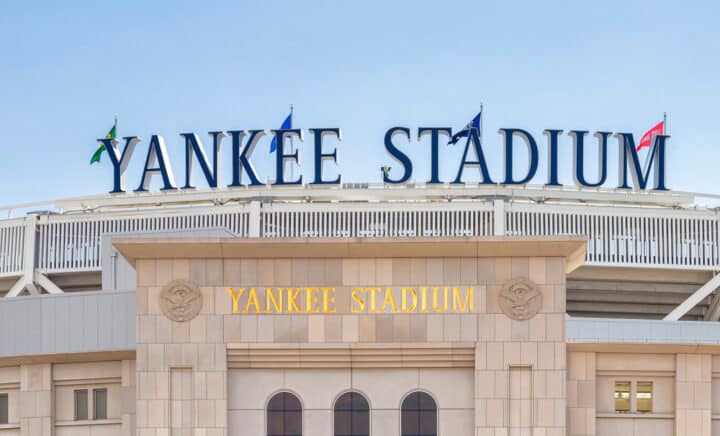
{"x": 474, "y": 124}
{"x": 287, "y": 124}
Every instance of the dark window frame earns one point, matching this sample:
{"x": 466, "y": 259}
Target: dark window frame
{"x": 418, "y": 408}
{"x": 289, "y": 409}
{"x": 79, "y": 416}
{"x": 4, "y": 408}
{"x": 358, "y": 408}
{"x": 95, "y": 403}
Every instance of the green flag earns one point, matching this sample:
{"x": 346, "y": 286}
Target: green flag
{"x": 99, "y": 151}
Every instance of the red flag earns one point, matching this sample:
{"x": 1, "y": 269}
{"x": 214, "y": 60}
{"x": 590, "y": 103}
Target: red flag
{"x": 647, "y": 138}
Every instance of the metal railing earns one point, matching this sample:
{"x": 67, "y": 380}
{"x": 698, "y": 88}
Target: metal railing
{"x": 12, "y": 239}
{"x": 71, "y": 243}
{"x": 627, "y": 237}
{"x": 624, "y": 235}
{"x": 380, "y": 221}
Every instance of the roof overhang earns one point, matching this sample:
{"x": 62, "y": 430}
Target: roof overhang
{"x": 572, "y": 248}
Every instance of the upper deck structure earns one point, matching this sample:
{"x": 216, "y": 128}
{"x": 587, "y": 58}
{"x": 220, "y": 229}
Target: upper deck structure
{"x": 649, "y": 254}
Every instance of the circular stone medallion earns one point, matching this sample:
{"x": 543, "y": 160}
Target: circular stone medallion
{"x": 181, "y": 300}
{"x": 520, "y": 299}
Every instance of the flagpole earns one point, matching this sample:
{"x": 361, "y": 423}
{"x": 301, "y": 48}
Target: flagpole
{"x": 292, "y": 145}
{"x": 664, "y": 122}
{"x": 481, "y": 123}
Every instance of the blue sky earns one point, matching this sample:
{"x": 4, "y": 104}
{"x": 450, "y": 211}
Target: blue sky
{"x": 171, "y": 67}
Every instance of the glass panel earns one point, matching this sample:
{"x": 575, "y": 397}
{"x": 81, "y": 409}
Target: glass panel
{"x": 622, "y": 396}
{"x": 360, "y": 422}
{"x": 428, "y": 423}
{"x": 419, "y": 415}
{"x": 412, "y": 401}
{"x": 292, "y": 402}
{"x": 293, "y": 423}
{"x": 284, "y": 415}
{"x": 344, "y": 402}
{"x": 352, "y": 415}
{"x": 359, "y": 402}
{"x": 277, "y": 402}
{"x": 426, "y": 401}
{"x": 644, "y": 396}
{"x": 342, "y": 423}
{"x": 3, "y": 408}
{"x": 100, "y": 404}
{"x": 81, "y": 405}
{"x": 276, "y": 425}
{"x": 410, "y": 422}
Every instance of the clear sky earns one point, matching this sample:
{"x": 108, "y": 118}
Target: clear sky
{"x": 171, "y": 67}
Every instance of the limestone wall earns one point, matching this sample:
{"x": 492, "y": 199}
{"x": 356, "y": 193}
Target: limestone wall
{"x": 517, "y": 373}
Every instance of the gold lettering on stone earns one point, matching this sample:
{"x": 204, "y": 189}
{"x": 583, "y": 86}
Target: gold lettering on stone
{"x": 466, "y": 305}
{"x": 404, "y": 300}
{"x": 371, "y": 299}
{"x": 252, "y": 301}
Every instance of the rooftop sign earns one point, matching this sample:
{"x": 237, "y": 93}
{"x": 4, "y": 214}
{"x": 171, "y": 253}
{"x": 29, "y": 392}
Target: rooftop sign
{"x": 517, "y": 145}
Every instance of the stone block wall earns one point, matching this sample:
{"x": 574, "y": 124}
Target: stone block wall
{"x": 693, "y": 386}
{"x": 36, "y": 400}
{"x": 534, "y": 348}
{"x": 537, "y": 345}
{"x": 581, "y": 396}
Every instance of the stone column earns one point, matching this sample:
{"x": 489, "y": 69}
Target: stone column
{"x": 516, "y": 348}
{"x": 693, "y": 385}
{"x": 36, "y": 405}
{"x": 581, "y": 396}
{"x": 127, "y": 390}
{"x": 181, "y": 358}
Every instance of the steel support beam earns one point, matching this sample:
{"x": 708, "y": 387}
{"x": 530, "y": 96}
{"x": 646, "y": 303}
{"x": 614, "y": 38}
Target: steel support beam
{"x": 47, "y": 284}
{"x": 713, "y": 313}
{"x": 694, "y": 299}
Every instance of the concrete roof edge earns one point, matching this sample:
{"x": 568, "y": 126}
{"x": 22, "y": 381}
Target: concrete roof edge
{"x": 573, "y": 248}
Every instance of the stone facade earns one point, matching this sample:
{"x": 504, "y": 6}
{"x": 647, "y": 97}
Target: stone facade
{"x": 502, "y": 369}
{"x": 517, "y": 374}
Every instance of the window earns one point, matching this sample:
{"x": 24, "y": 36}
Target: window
{"x": 99, "y": 403}
{"x": 418, "y": 415}
{"x": 622, "y": 396}
{"x": 81, "y": 405}
{"x": 644, "y": 396}
{"x": 284, "y": 415}
{"x": 352, "y": 415}
{"x": 4, "y": 408}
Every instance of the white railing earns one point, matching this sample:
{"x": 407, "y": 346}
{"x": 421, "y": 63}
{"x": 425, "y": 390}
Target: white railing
{"x": 12, "y": 239}
{"x": 382, "y": 220}
{"x": 623, "y": 236}
{"x": 627, "y": 235}
{"x": 72, "y": 242}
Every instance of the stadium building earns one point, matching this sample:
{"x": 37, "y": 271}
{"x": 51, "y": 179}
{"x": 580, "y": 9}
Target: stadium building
{"x": 361, "y": 309}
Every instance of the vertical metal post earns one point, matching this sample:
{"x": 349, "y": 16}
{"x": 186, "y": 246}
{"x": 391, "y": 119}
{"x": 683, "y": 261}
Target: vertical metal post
{"x": 499, "y": 217}
{"x": 29, "y": 248}
{"x": 254, "y": 220}
{"x": 27, "y": 280}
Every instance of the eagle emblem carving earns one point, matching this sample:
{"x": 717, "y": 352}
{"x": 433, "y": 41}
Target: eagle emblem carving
{"x": 181, "y": 300}
{"x": 520, "y": 299}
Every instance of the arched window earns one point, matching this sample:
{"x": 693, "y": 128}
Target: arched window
{"x": 284, "y": 415}
{"x": 352, "y": 415}
{"x": 418, "y": 415}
